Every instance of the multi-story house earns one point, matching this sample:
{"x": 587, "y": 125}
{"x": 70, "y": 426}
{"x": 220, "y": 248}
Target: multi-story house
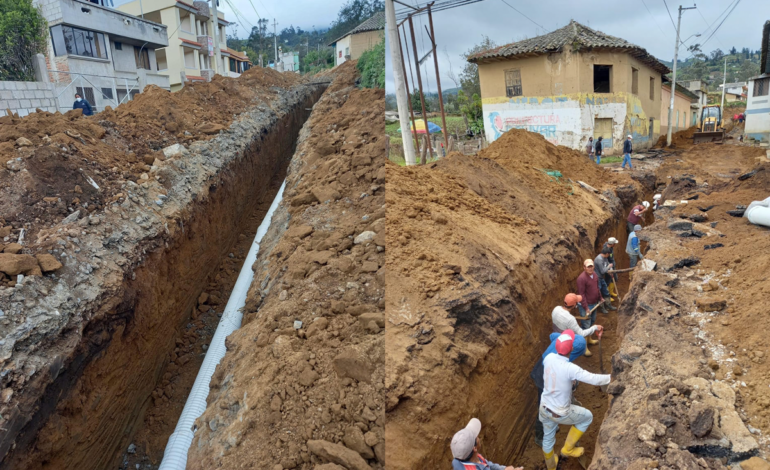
{"x": 192, "y": 32}
{"x": 103, "y": 54}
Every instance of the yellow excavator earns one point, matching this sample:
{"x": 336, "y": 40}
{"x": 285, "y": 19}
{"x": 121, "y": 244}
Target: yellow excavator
{"x": 711, "y": 126}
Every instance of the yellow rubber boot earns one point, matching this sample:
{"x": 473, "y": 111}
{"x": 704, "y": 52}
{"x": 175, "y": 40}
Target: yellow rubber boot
{"x": 590, "y": 340}
{"x": 551, "y": 460}
{"x": 569, "y": 449}
{"x": 587, "y": 353}
{"x": 613, "y": 291}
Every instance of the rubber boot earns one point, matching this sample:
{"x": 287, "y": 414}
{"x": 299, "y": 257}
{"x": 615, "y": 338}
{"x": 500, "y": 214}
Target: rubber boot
{"x": 604, "y": 307}
{"x": 569, "y": 449}
{"x": 590, "y": 340}
{"x": 587, "y": 353}
{"x": 613, "y": 291}
{"x": 609, "y": 305}
{"x": 551, "y": 460}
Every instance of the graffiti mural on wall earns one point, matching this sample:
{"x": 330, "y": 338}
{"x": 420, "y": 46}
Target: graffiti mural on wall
{"x": 543, "y": 124}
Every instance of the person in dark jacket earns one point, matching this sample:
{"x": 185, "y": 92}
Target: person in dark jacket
{"x": 83, "y": 104}
{"x": 627, "y": 149}
{"x": 598, "y": 150}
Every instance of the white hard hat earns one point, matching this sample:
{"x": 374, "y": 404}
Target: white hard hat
{"x": 612, "y": 241}
{"x": 656, "y": 197}
{"x": 646, "y": 204}
{"x": 629, "y": 136}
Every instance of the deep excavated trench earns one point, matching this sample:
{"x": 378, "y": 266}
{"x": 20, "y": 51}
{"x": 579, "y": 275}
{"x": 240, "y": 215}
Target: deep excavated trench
{"x": 88, "y": 416}
{"x": 512, "y": 417}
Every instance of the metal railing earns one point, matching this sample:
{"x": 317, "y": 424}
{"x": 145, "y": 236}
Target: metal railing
{"x": 80, "y": 77}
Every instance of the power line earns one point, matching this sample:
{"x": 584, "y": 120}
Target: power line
{"x": 255, "y": 9}
{"x": 653, "y": 17}
{"x": 525, "y": 16}
{"x": 669, "y": 15}
{"x": 720, "y": 24}
{"x": 437, "y": 6}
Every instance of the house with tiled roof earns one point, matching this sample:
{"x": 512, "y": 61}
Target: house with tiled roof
{"x": 363, "y": 37}
{"x": 571, "y": 84}
{"x": 192, "y": 33}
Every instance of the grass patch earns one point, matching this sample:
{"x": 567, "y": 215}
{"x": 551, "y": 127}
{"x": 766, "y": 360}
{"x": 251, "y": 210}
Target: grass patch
{"x": 612, "y": 159}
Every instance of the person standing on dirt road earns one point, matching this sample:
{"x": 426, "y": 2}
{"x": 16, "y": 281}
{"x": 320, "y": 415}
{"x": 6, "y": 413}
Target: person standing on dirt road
{"x": 635, "y": 216}
{"x": 590, "y": 148}
{"x": 632, "y": 246}
{"x": 627, "y": 149}
{"x": 80, "y": 103}
{"x": 602, "y": 265}
{"x": 611, "y": 279}
{"x": 591, "y": 296}
{"x": 563, "y": 320}
{"x": 465, "y": 445}
{"x": 578, "y": 348}
{"x": 556, "y": 401}
{"x": 598, "y": 149}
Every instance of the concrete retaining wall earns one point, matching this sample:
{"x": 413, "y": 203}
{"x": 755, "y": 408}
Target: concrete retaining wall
{"x": 24, "y": 97}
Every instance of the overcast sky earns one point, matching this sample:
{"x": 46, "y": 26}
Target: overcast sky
{"x": 460, "y": 28}
{"x": 304, "y": 13}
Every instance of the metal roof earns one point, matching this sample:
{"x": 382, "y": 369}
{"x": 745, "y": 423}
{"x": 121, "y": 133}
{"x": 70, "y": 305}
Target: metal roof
{"x": 575, "y": 35}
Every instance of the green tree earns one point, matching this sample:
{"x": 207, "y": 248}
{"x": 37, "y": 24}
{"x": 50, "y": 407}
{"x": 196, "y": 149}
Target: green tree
{"x": 315, "y": 61}
{"x": 353, "y": 13}
{"x": 746, "y": 70}
{"x": 371, "y": 65}
{"x": 23, "y": 33}
{"x": 416, "y": 106}
{"x": 469, "y": 77}
{"x": 471, "y": 111}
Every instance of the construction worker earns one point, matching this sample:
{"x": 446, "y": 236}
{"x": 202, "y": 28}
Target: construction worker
{"x": 656, "y": 202}
{"x": 627, "y": 149}
{"x": 563, "y": 320}
{"x": 611, "y": 279}
{"x": 578, "y": 348}
{"x": 590, "y": 294}
{"x": 632, "y": 246}
{"x": 465, "y": 445}
{"x": 590, "y": 148}
{"x": 602, "y": 266}
{"x": 556, "y": 401}
{"x": 635, "y": 216}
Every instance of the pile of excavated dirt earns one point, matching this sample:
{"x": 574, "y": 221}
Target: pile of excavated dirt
{"x": 86, "y": 349}
{"x": 692, "y": 376}
{"x": 681, "y": 140}
{"x": 480, "y": 250}
{"x": 302, "y": 383}
{"x": 55, "y": 164}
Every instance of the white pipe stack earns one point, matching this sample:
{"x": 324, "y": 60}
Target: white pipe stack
{"x": 175, "y": 455}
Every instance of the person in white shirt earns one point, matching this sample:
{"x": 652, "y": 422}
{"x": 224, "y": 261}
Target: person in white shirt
{"x": 556, "y": 401}
{"x": 563, "y": 320}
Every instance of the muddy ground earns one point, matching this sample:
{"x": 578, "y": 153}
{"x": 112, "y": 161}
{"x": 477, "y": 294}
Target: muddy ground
{"x": 480, "y": 250}
{"x": 691, "y": 378}
{"x": 311, "y": 395}
{"x": 135, "y": 253}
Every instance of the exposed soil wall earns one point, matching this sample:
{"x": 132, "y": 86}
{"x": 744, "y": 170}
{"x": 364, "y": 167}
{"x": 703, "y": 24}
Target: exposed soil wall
{"x": 480, "y": 249}
{"x": 298, "y": 397}
{"x": 691, "y": 378}
{"x": 81, "y": 381}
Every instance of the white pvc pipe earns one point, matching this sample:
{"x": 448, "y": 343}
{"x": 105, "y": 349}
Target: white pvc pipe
{"x": 175, "y": 455}
{"x": 759, "y": 215}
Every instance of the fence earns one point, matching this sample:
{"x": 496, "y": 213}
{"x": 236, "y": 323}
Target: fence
{"x": 98, "y": 96}
{"x": 456, "y": 144}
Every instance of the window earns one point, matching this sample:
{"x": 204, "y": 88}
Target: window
{"x": 347, "y": 51}
{"x": 76, "y": 41}
{"x": 340, "y": 54}
{"x": 160, "y": 59}
{"x": 233, "y": 65}
{"x": 189, "y": 59}
{"x": 513, "y": 83}
{"x": 118, "y": 46}
{"x": 86, "y": 93}
{"x": 602, "y": 76}
{"x": 761, "y": 86}
{"x": 677, "y": 120}
{"x": 634, "y": 81}
{"x": 652, "y": 88}
{"x": 142, "y": 58}
{"x": 107, "y": 93}
{"x": 186, "y": 23}
{"x": 121, "y": 94}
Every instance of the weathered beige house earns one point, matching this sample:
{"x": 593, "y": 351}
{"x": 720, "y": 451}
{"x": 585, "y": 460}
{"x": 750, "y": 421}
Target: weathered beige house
{"x": 359, "y": 39}
{"x": 684, "y": 115}
{"x": 572, "y": 84}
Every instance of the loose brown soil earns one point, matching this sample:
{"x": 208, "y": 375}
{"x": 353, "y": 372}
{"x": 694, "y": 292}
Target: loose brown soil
{"x": 480, "y": 249}
{"x": 282, "y": 395}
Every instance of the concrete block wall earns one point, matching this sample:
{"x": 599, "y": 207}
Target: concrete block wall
{"x": 25, "y": 97}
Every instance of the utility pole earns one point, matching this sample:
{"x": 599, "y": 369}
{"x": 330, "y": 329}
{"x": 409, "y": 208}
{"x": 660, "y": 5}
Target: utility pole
{"x": 724, "y": 84}
{"x": 438, "y": 80}
{"x": 217, "y": 57}
{"x": 422, "y": 96}
{"x": 673, "y": 79}
{"x": 398, "y": 78}
{"x": 275, "y": 44}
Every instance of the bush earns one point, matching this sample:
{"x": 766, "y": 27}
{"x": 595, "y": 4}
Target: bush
{"x": 23, "y": 33}
{"x": 371, "y": 64}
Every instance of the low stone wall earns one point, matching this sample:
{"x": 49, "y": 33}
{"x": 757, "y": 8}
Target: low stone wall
{"x": 25, "y": 97}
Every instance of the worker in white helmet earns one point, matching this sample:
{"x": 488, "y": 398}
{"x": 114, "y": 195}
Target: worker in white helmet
{"x": 656, "y": 202}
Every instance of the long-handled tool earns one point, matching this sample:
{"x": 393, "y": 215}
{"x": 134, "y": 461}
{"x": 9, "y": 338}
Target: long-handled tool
{"x": 589, "y": 313}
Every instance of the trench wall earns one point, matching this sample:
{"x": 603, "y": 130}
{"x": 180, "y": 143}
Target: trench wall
{"x": 89, "y": 414}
